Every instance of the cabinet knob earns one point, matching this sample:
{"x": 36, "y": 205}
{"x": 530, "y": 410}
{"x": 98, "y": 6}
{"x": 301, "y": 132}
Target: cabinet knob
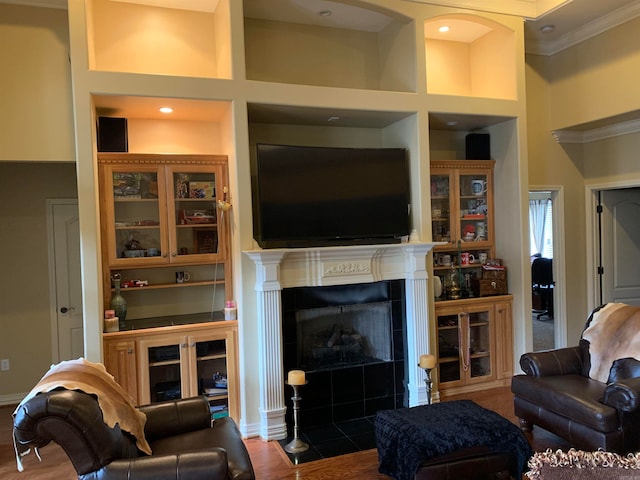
{"x": 183, "y": 345}
{"x": 174, "y": 254}
{"x": 130, "y": 351}
{"x": 66, "y": 309}
{"x": 193, "y": 344}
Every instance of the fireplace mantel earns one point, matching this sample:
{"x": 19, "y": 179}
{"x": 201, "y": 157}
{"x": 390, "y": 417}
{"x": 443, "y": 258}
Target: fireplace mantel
{"x": 337, "y": 265}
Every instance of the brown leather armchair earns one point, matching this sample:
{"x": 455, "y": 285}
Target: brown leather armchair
{"x": 557, "y": 394}
{"x": 184, "y": 442}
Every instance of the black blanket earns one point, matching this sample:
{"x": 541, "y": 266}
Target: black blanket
{"x": 406, "y": 437}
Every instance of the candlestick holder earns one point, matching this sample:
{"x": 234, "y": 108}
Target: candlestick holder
{"x": 296, "y": 445}
{"x": 428, "y": 382}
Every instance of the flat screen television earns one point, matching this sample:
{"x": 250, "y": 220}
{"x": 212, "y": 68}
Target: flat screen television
{"x": 319, "y": 196}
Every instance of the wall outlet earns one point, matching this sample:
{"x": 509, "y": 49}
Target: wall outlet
{"x": 4, "y": 364}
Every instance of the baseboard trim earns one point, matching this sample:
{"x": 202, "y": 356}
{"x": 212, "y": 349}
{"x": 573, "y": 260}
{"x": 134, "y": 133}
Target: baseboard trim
{"x": 13, "y": 399}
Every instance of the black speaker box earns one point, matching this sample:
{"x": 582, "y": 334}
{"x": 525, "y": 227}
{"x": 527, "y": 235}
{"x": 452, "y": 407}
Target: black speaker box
{"x": 478, "y": 146}
{"x": 112, "y": 134}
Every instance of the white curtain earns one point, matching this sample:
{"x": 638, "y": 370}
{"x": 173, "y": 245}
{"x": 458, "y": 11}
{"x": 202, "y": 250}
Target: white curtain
{"x": 537, "y": 216}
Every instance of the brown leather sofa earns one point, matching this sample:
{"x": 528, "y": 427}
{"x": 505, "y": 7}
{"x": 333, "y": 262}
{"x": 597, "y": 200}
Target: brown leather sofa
{"x": 184, "y": 442}
{"x": 557, "y": 394}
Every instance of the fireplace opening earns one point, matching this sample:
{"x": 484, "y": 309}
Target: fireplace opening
{"x": 339, "y": 336}
{"x": 350, "y": 341}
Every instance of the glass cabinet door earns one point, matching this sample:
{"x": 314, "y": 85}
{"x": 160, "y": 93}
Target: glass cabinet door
{"x": 135, "y": 216}
{"x": 212, "y": 376}
{"x": 162, "y": 361}
{"x": 449, "y": 365}
{"x": 194, "y": 217}
{"x": 440, "y": 208}
{"x": 474, "y": 207}
{"x": 480, "y": 344}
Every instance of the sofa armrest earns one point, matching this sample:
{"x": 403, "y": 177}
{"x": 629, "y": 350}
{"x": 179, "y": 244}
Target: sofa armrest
{"x": 623, "y": 395}
{"x": 563, "y": 361}
{"x": 174, "y": 417}
{"x": 209, "y": 464}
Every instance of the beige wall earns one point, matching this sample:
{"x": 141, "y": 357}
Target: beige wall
{"x": 25, "y": 314}
{"x": 597, "y": 78}
{"x": 36, "y": 121}
{"x": 590, "y": 81}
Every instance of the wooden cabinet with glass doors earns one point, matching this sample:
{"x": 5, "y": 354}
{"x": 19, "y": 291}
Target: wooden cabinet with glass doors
{"x": 167, "y": 363}
{"x": 462, "y": 216}
{"x": 163, "y": 211}
{"x": 160, "y": 210}
{"x": 474, "y": 344}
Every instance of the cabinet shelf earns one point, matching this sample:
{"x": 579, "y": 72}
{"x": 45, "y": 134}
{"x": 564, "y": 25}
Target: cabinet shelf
{"x": 212, "y": 357}
{"x": 173, "y": 285}
{"x": 164, "y": 363}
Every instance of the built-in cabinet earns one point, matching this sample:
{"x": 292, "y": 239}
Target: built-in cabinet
{"x": 474, "y": 332}
{"x": 164, "y": 233}
{"x": 474, "y": 344}
{"x": 173, "y": 362}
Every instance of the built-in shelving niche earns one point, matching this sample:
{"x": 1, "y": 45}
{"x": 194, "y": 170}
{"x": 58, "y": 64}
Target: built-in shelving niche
{"x": 333, "y": 45}
{"x": 133, "y": 36}
{"x": 475, "y": 57}
{"x": 194, "y": 126}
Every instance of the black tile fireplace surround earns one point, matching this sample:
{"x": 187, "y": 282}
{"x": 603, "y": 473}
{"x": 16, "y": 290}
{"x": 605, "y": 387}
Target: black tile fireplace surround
{"x": 346, "y": 392}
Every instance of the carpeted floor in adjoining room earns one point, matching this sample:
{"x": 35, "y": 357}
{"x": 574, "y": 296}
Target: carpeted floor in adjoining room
{"x": 543, "y": 333}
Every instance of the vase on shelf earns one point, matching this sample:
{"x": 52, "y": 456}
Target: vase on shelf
{"x": 118, "y": 303}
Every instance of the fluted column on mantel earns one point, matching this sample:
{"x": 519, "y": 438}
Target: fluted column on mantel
{"x": 417, "y": 307}
{"x": 268, "y": 289}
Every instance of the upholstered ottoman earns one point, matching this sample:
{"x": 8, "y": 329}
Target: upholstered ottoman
{"x": 451, "y": 440}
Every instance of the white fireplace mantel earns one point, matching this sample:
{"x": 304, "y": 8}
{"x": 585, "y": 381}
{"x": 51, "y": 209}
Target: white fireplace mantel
{"x": 323, "y": 266}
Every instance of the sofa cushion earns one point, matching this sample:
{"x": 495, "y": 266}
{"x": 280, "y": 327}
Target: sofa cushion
{"x": 572, "y": 396}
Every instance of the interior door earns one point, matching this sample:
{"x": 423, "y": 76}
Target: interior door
{"x": 65, "y": 252}
{"x": 620, "y": 245}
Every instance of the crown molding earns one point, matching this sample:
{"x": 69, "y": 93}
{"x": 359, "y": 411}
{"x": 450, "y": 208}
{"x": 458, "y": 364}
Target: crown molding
{"x": 608, "y": 131}
{"x": 585, "y": 32}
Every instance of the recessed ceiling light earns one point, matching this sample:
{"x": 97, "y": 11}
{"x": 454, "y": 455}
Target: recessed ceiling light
{"x": 333, "y": 119}
{"x": 325, "y": 13}
{"x": 166, "y": 109}
{"x": 452, "y": 123}
{"x": 547, "y": 28}
{"x": 444, "y": 29}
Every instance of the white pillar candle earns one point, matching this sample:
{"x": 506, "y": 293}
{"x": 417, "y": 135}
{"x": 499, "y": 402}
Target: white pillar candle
{"x": 427, "y": 361}
{"x": 111, "y": 325}
{"x": 296, "y": 377}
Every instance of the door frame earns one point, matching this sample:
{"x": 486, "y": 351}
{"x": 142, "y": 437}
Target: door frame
{"x": 559, "y": 267}
{"x": 593, "y": 241}
{"x": 53, "y": 304}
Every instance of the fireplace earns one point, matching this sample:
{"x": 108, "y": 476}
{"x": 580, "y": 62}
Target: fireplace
{"x": 343, "y": 390}
{"x": 350, "y": 341}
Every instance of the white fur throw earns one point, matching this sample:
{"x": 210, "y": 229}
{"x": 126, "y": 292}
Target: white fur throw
{"x": 614, "y": 333}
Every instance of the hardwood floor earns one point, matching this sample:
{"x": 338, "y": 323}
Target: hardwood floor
{"x": 268, "y": 460}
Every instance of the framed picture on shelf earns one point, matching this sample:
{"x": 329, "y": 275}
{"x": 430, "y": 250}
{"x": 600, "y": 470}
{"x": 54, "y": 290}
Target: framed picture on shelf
{"x": 205, "y": 240}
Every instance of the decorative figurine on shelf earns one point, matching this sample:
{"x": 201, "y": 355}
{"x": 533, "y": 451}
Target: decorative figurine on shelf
{"x": 118, "y": 303}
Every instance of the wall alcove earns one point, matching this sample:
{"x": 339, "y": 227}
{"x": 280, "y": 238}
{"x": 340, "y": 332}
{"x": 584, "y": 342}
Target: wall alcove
{"x": 473, "y": 57}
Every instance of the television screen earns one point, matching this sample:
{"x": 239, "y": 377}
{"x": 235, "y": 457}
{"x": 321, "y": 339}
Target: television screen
{"x": 315, "y": 196}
